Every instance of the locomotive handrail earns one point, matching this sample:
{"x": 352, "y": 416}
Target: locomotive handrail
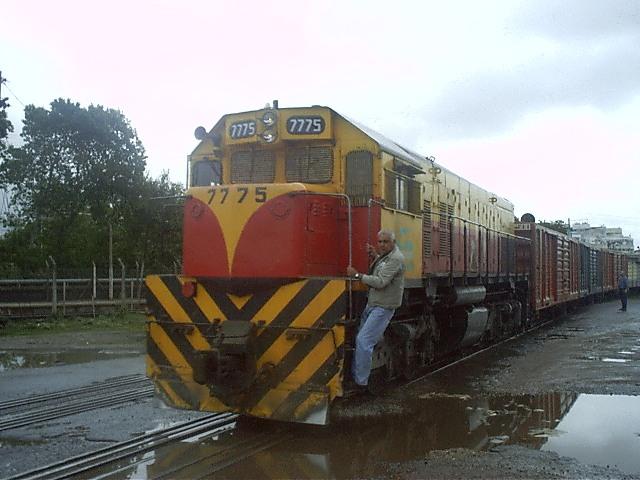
{"x": 172, "y": 197}
{"x": 370, "y": 202}
{"x": 451, "y": 217}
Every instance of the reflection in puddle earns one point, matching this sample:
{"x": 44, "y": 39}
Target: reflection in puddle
{"x": 615, "y": 360}
{"x": 439, "y": 422}
{"x": 363, "y": 447}
{"x": 10, "y": 360}
{"x": 603, "y": 430}
{"x": 591, "y": 428}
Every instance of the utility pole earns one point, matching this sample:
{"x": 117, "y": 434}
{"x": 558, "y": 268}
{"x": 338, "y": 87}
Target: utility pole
{"x": 2, "y": 80}
{"x": 110, "y": 261}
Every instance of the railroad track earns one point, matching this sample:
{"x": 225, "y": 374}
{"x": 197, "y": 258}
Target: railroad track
{"x": 216, "y": 460}
{"x": 30, "y": 410}
{"x": 185, "y": 461}
{"x": 450, "y": 362}
{"x": 107, "y": 462}
{"x": 80, "y": 464}
{"x": 235, "y": 450}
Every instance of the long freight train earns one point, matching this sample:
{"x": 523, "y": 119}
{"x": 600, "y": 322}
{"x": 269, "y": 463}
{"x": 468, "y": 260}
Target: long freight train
{"x": 263, "y": 318}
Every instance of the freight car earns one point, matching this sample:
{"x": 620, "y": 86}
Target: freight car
{"x": 262, "y": 320}
{"x": 634, "y": 270}
{"x": 564, "y": 271}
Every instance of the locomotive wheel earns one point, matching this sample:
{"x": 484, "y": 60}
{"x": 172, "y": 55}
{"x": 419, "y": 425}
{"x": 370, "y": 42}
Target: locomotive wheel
{"x": 412, "y": 368}
{"x": 429, "y": 353}
{"x": 377, "y": 381}
{"x": 429, "y": 342}
{"x": 426, "y": 349}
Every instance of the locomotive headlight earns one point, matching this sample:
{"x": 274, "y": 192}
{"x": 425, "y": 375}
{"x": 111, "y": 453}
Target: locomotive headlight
{"x": 269, "y": 136}
{"x": 200, "y": 133}
{"x": 269, "y": 118}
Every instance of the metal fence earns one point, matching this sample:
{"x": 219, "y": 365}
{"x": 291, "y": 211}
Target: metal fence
{"x": 59, "y": 293}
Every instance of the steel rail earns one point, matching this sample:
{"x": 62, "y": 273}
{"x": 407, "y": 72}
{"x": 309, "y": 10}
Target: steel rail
{"x": 442, "y": 365}
{"x": 60, "y": 394}
{"x": 229, "y": 456}
{"x": 91, "y": 460}
{"x": 256, "y": 445}
{"x": 85, "y": 405}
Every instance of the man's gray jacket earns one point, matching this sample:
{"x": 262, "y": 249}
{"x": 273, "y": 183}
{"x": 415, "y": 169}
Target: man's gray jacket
{"x": 386, "y": 281}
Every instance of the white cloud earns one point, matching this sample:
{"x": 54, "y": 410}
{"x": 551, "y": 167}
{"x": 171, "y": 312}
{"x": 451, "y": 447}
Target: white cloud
{"x": 535, "y": 100}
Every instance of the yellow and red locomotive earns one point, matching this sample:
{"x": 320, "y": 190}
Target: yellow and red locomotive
{"x": 263, "y": 318}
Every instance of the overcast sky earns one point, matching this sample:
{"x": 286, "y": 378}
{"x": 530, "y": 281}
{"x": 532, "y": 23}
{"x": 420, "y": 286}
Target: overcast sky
{"x": 537, "y": 101}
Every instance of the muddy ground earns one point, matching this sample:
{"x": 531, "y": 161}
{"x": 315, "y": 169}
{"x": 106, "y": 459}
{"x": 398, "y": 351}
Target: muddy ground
{"x": 560, "y": 402}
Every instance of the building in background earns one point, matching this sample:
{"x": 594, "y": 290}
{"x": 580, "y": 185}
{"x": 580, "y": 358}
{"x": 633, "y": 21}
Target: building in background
{"x": 610, "y": 238}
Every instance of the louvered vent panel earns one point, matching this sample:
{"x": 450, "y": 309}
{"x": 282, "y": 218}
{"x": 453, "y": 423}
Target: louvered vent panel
{"x": 359, "y": 176}
{"x": 309, "y": 164}
{"x": 253, "y": 166}
{"x": 445, "y": 228}
{"x": 426, "y": 229}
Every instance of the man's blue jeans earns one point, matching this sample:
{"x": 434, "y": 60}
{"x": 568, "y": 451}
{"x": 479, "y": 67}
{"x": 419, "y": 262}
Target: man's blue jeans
{"x": 373, "y": 323}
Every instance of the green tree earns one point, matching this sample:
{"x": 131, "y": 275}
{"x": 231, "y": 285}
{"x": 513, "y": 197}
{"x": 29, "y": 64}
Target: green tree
{"x": 74, "y": 160}
{"x": 156, "y": 225}
{"x": 80, "y": 172}
{"x": 5, "y": 125}
{"x": 557, "y": 225}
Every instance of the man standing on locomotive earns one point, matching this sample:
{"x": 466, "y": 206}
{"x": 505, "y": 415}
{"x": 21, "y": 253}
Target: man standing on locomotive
{"x": 386, "y": 286}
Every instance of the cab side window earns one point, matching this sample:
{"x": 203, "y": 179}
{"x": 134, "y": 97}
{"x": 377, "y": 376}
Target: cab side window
{"x": 402, "y": 192}
{"x": 205, "y": 173}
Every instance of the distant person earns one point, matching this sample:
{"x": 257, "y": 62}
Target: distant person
{"x": 623, "y": 289}
{"x": 386, "y": 286}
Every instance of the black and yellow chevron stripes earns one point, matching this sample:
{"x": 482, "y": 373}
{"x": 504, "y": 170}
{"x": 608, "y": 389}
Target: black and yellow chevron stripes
{"x": 269, "y": 464}
{"x": 298, "y": 345}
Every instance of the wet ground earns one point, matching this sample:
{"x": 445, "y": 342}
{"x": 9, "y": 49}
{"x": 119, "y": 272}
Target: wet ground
{"x": 560, "y": 402}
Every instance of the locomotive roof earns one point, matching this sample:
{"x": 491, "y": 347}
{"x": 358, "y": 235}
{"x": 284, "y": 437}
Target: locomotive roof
{"x": 390, "y": 146}
{"x": 420, "y": 162}
{"x": 416, "y": 160}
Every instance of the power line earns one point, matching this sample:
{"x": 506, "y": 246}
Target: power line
{"x": 14, "y": 95}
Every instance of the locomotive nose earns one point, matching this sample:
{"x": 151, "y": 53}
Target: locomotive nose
{"x": 275, "y": 231}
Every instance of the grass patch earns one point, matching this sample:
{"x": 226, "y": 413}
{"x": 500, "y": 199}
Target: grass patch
{"x": 132, "y": 322}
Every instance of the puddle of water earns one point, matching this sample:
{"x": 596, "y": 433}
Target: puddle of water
{"x": 439, "y": 422}
{"x": 594, "y": 429}
{"x": 602, "y": 430}
{"x": 13, "y": 359}
{"x": 357, "y": 447}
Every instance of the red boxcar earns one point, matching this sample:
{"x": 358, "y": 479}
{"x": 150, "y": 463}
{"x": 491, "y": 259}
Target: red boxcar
{"x": 553, "y": 261}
